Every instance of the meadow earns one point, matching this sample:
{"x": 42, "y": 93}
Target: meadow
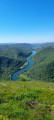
{"x": 26, "y": 100}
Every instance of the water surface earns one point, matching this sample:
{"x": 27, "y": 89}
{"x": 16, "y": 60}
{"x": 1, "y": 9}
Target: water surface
{"x": 30, "y": 63}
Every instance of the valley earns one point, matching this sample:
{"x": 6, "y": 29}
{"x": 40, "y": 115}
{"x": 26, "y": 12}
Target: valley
{"x": 31, "y": 97}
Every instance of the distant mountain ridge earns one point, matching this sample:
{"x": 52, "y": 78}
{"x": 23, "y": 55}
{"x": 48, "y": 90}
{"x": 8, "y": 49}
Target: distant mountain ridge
{"x": 44, "y": 44}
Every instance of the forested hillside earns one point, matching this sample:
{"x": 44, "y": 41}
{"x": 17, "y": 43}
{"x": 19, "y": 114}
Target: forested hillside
{"x": 11, "y": 58}
{"x": 43, "y": 68}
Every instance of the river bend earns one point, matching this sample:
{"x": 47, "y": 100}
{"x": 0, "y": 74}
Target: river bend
{"x": 30, "y": 63}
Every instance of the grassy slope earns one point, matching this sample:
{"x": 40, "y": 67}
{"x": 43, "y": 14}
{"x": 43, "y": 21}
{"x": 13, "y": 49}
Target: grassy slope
{"x": 43, "y": 68}
{"x": 26, "y": 100}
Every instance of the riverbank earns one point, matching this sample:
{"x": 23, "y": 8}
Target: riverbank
{"x": 30, "y": 63}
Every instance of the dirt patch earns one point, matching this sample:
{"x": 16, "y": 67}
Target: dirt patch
{"x": 32, "y": 104}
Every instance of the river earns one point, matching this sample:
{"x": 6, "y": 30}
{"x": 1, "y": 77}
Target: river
{"x": 30, "y": 63}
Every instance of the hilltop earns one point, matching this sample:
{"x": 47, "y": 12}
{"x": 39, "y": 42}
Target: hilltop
{"x": 26, "y": 100}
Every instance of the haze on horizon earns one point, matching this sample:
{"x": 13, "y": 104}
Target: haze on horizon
{"x": 28, "y": 21}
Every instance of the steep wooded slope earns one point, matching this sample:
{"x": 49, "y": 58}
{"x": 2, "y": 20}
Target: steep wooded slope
{"x": 43, "y": 68}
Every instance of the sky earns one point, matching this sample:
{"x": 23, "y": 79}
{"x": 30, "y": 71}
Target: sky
{"x": 26, "y": 21}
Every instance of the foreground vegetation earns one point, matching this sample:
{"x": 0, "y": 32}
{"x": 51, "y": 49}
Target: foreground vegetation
{"x": 26, "y": 100}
